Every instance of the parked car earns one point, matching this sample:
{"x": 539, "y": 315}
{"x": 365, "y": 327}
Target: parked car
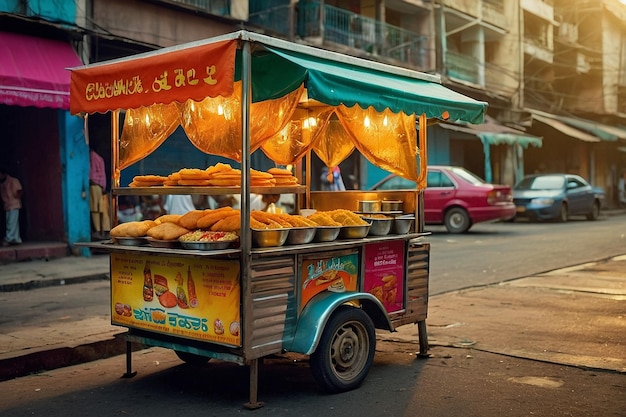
{"x": 457, "y": 198}
{"x": 556, "y": 197}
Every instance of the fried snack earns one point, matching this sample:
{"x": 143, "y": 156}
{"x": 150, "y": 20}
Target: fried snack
{"x": 285, "y": 181}
{"x": 172, "y": 218}
{"x": 219, "y": 167}
{"x": 193, "y": 183}
{"x": 297, "y": 220}
{"x": 149, "y": 178}
{"x": 213, "y": 216}
{"x": 279, "y": 171}
{"x": 193, "y": 174}
{"x": 347, "y": 217}
{"x": 190, "y": 220}
{"x": 323, "y": 219}
{"x": 167, "y": 231}
{"x": 260, "y": 174}
{"x": 262, "y": 182}
{"x": 132, "y": 229}
{"x": 255, "y": 224}
{"x": 264, "y": 218}
{"x": 145, "y": 184}
{"x": 225, "y": 182}
{"x": 230, "y": 223}
{"x": 269, "y": 218}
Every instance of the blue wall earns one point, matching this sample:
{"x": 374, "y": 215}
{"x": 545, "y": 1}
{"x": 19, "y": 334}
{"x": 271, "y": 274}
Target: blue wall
{"x": 75, "y": 180}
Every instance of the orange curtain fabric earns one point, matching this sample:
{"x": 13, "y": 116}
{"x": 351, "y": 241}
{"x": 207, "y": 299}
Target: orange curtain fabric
{"x": 213, "y": 125}
{"x": 193, "y": 73}
{"x": 334, "y": 143}
{"x": 296, "y": 139}
{"x": 145, "y": 129}
{"x": 386, "y": 139}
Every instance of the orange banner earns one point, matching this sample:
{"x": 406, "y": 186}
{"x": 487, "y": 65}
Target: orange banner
{"x": 191, "y": 73}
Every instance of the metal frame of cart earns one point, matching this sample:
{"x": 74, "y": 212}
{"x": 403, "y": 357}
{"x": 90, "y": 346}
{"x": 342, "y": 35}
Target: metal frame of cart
{"x": 335, "y": 328}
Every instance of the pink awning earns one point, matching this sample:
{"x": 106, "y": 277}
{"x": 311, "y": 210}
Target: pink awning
{"x": 33, "y": 71}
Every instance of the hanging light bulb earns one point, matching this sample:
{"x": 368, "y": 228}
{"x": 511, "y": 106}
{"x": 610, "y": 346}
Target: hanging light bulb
{"x": 366, "y": 121}
{"x": 220, "y": 110}
{"x": 385, "y": 121}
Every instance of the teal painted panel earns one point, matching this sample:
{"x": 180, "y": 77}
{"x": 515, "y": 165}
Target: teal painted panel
{"x": 11, "y": 6}
{"x": 53, "y": 10}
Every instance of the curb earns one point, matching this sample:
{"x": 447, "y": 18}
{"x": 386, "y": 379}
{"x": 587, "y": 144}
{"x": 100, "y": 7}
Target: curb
{"x": 41, "y": 283}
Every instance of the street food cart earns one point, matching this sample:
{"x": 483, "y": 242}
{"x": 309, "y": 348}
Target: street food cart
{"x": 259, "y": 296}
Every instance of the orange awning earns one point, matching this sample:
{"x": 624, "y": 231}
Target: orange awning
{"x": 206, "y": 70}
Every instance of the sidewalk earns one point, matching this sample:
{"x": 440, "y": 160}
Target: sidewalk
{"x": 572, "y": 316}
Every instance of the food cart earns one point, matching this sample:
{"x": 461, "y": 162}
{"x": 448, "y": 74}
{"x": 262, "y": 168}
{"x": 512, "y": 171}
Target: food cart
{"x": 238, "y": 93}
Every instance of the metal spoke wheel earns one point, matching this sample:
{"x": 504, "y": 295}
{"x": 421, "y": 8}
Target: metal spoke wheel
{"x": 345, "y": 353}
{"x": 457, "y": 220}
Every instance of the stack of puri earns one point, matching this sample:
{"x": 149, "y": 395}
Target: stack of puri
{"x": 147, "y": 181}
{"x": 282, "y": 177}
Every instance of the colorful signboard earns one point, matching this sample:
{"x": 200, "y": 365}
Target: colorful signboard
{"x": 384, "y": 273}
{"x": 335, "y": 273}
{"x": 186, "y": 297}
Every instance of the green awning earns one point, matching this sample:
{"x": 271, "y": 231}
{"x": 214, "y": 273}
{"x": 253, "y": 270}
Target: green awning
{"x": 509, "y": 139}
{"x": 599, "y": 130}
{"x": 351, "y": 81}
{"x": 493, "y": 133}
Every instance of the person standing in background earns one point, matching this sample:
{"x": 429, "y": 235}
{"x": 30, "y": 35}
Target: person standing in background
{"x": 97, "y": 197}
{"x": 178, "y": 204}
{"x": 11, "y": 193}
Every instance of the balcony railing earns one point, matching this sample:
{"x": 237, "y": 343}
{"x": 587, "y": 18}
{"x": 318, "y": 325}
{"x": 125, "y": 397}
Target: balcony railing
{"x": 216, "y": 7}
{"x": 463, "y": 68}
{"x": 332, "y": 25}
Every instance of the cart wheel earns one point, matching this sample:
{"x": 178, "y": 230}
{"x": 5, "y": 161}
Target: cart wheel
{"x": 345, "y": 353}
{"x": 191, "y": 358}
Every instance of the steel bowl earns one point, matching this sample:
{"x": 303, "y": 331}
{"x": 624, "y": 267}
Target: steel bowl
{"x": 369, "y": 206}
{"x": 267, "y": 238}
{"x": 402, "y": 224}
{"x": 380, "y": 227}
{"x": 326, "y": 233}
{"x": 207, "y": 245}
{"x": 391, "y": 205}
{"x": 300, "y": 235}
{"x": 156, "y": 243}
{"x": 354, "y": 232}
{"x": 130, "y": 241}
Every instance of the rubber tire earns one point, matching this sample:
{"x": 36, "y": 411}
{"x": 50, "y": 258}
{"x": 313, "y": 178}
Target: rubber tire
{"x": 192, "y": 358}
{"x": 457, "y": 220}
{"x": 345, "y": 352}
{"x": 595, "y": 211}
{"x": 563, "y": 214}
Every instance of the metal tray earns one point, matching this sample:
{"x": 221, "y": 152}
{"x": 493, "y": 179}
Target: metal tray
{"x": 156, "y": 243}
{"x": 354, "y": 232}
{"x": 300, "y": 235}
{"x": 130, "y": 241}
{"x": 217, "y": 245}
{"x": 326, "y": 233}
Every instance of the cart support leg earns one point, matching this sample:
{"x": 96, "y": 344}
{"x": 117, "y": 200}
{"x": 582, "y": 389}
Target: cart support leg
{"x": 253, "y": 404}
{"x": 129, "y": 363}
{"x": 423, "y": 338}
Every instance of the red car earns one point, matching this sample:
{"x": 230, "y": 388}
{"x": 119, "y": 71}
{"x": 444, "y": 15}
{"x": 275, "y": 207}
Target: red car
{"x": 457, "y": 198}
